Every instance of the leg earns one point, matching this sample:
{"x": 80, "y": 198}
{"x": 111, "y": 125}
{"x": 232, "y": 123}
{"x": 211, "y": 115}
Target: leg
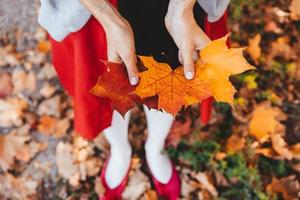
{"x": 120, "y": 150}
{"x": 159, "y": 125}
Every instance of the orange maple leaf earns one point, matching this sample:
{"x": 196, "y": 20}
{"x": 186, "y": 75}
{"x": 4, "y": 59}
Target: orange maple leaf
{"x": 171, "y": 86}
{"x": 217, "y": 63}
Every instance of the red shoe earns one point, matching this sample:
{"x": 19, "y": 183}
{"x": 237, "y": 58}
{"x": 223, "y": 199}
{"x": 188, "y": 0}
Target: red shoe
{"x": 116, "y": 193}
{"x": 171, "y": 190}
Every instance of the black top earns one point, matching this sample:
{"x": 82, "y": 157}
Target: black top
{"x": 151, "y": 36}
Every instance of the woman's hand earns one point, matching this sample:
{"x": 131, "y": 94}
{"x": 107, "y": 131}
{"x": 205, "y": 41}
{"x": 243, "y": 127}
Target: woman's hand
{"x": 119, "y": 35}
{"x": 188, "y": 36}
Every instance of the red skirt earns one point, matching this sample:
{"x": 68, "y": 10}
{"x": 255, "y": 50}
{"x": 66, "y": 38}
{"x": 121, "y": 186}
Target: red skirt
{"x": 77, "y": 62}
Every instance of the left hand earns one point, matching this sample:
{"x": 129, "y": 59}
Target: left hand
{"x": 188, "y": 36}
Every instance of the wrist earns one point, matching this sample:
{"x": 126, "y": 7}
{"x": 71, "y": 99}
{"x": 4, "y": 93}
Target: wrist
{"x": 179, "y": 9}
{"x": 105, "y": 13}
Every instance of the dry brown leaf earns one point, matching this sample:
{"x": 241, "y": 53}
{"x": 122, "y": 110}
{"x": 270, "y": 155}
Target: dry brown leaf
{"x": 17, "y": 188}
{"x": 235, "y": 143}
{"x": 187, "y": 185}
{"x": 75, "y": 161}
{"x": 282, "y": 48}
{"x": 289, "y": 187}
{"x": 13, "y": 146}
{"x": 281, "y": 147}
{"x": 47, "y": 90}
{"x": 296, "y": 151}
{"x": 295, "y": 9}
{"x": 265, "y": 121}
{"x": 47, "y": 72}
{"x": 11, "y": 111}
{"x": 254, "y": 49}
{"x": 99, "y": 188}
{"x": 51, "y": 107}
{"x": 23, "y": 81}
{"x": 204, "y": 180}
{"x": 6, "y": 86}
{"x": 53, "y": 126}
{"x": 267, "y": 152}
{"x": 151, "y": 195}
{"x": 8, "y": 56}
{"x": 179, "y": 129}
{"x": 137, "y": 185}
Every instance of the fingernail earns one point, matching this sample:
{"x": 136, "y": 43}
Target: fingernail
{"x": 189, "y": 75}
{"x": 133, "y": 80}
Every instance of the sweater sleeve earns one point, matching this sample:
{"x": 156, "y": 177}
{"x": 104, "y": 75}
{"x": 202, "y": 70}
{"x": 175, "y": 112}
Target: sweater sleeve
{"x": 62, "y": 17}
{"x": 214, "y": 8}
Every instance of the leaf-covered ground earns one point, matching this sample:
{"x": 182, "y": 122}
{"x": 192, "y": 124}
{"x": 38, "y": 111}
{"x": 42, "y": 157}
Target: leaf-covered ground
{"x": 249, "y": 153}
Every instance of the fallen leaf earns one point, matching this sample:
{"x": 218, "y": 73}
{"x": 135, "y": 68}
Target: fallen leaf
{"x": 53, "y": 126}
{"x": 235, "y": 143}
{"x": 6, "y": 86}
{"x": 47, "y": 90}
{"x": 281, "y": 147}
{"x": 76, "y": 161}
{"x": 23, "y": 81}
{"x": 13, "y": 146}
{"x": 137, "y": 185}
{"x": 178, "y": 130}
{"x": 151, "y": 195}
{"x": 295, "y": 9}
{"x": 265, "y": 121}
{"x": 51, "y": 107}
{"x": 281, "y": 47}
{"x": 288, "y": 186}
{"x": 254, "y": 49}
{"x": 17, "y": 188}
{"x": 44, "y": 46}
{"x": 203, "y": 179}
{"x": 11, "y": 111}
{"x": 296, "y": 151}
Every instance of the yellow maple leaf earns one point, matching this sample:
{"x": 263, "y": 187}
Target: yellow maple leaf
{"x": 217, "y": 63}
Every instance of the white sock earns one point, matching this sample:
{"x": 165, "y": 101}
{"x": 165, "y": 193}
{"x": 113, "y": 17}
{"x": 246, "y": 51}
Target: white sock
{"x": 159, "y": 125}
{"x": 120, "y": 150}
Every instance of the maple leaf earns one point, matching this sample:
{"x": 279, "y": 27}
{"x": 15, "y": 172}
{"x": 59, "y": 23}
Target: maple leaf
{"x": 288, "y": 186}
{"x": 254, "y": 49}
{"x": 115, "y": 85}
{"x": 269, "y": 116}
{"x": 217, "y": 63}
{"x": 178, "y": 130}
{"x": 235, "y": 143}
{"x": 172, "y": 88}
{"x": 13, "y": 146}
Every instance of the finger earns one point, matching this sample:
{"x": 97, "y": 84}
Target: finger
{"x": 180, "y": 58}
{"x": 114, "y": 57}
{"x": 195, "y": 56}
{"x": 130, "y": 62}
{"x": 188, "y": 63}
